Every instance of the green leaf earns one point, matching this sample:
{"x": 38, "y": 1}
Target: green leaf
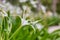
{"x": 58, "y": 39}
{"x": 55, "y": 34}
{"x": 23, "y": 33}
{"x": 5, "y": 28}
{"x": 5, "y": 24}
{"x": 16, "y": 23}
{"x": 8, "y": 13}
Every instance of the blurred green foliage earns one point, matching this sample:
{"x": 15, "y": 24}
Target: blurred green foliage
{"x": 17, "y": 31}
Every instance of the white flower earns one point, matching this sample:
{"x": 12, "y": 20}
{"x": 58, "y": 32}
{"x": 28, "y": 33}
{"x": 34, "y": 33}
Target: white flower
{"x": 33, "y": 3}
{"x": 39, "y": 26}
{"x": 22, "y": 0}
{"x": 5, "y": 15}
{"x": 43, "y": 8}
{"x": 24, "y": 22}
{"x": 53, "y": 28}
{"x": 18, "y": 10}
{"x": 24, "y": 7}
{"x": 3, "y": 1}
{"x": 2, "y": 6}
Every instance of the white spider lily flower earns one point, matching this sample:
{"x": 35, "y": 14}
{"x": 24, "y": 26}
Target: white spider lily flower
{"x": 35, "y": 6}
{"x": 39, "y": 26}
{"x": 10, "y": 7}
{"x": 18, "y": 10}
{"x": 2, "y": 6}
{"x": 7, "y": 6}
{"x": 53, "y": 28}
{"x": 2, "y": 1}
{"x": 24, "y": 22}
{"x": 34, "y": 3}
{"x": 3, "y": 13}
{"x": 36, "y": 22}
{"x": 43, "y": 8}
{"x": 22, "y": 0}
{"x": 24, "y": 7}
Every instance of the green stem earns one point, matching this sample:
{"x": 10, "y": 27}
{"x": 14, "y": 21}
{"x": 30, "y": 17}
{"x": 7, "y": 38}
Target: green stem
{"x": 0, "y": 34}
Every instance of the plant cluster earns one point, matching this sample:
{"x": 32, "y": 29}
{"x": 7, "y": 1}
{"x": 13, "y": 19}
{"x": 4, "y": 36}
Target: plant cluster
{"x": 11, "y": 28}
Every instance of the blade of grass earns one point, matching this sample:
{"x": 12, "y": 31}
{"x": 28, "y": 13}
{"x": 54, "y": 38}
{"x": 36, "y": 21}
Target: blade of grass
{"x": 15, "y": 32}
